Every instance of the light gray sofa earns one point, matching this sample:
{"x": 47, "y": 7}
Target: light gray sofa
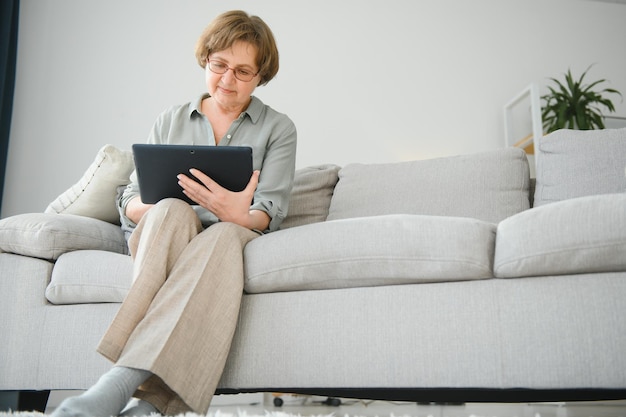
{"x": 427, "y": 280}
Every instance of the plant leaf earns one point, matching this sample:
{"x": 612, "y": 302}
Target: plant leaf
{"x": 575, "y": 105}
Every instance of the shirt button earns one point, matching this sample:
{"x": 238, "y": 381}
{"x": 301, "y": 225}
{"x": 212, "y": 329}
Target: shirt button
{"x": 228, "y": 136}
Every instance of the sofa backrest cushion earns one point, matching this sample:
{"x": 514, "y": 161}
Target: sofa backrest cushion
{"x": 577, "y": 163}
{"x": 489, "y": 186}
{"x": 310, "y": 198}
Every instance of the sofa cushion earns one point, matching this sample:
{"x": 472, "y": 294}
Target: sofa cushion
{"x": 47, "y": 236}
{"x": 310, "y": 197}
{"x": 580, "y": 235}
{"x": 489, "y": 186}
{"x": 94, "y": 194}
{"x": 90, "y": 276}
{"x": 370, "y": 251}
{"x": 577, "y": 163}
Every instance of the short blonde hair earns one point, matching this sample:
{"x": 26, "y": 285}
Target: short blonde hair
{"x": 234, "y": 26}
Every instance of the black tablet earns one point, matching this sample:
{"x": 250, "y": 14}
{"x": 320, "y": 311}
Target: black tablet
{"x": 158, "y": 165}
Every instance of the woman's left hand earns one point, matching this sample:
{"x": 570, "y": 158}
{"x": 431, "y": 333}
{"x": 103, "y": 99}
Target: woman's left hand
{"x": 228, "y": 206}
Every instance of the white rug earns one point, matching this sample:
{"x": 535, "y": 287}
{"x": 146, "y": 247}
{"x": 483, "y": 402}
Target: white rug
{"x": 212, "y": 414}
{"x": 239, "y": 414}
{"x": 215, "y": 414}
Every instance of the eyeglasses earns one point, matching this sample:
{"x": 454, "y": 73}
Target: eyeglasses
{"x": 241, "y": 74}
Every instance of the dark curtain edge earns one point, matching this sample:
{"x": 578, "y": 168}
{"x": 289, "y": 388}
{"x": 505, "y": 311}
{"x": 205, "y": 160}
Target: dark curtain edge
{"x": 8, "y": 58}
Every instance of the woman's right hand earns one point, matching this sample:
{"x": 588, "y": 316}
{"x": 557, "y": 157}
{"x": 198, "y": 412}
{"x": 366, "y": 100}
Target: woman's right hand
{"x": 136, "y": 209}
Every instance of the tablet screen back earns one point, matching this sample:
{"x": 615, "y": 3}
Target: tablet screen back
{"x": 158, "y": 165}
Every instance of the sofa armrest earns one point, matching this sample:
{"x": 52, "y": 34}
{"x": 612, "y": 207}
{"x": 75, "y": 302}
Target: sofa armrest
{"x": 47, "y": 236}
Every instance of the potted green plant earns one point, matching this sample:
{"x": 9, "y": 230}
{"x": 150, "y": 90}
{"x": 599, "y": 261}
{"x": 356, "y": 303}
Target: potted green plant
{"x": 574, "y": 105}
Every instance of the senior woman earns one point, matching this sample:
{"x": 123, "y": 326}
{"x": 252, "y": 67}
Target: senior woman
{"x": 171, "y": 337}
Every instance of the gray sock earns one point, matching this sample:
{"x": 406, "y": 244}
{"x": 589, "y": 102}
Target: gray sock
{"x": 107, "y": 397}
{"x": 140, "y": 409}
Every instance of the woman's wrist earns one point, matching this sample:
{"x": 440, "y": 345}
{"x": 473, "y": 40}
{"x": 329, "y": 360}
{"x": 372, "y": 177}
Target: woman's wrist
{"x": 258, "y": 220}
{"x": 135, "y": 209}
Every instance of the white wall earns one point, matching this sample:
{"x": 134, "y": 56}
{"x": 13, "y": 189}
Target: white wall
{"x": 375, "y": 81}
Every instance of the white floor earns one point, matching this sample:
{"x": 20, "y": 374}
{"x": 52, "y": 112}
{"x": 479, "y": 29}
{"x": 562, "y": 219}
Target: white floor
{"x": 259, "y": 404}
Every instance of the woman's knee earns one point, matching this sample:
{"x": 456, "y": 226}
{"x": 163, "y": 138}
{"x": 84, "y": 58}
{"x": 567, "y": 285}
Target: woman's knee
{"x": 173, "y": 212}
{"x": 173, "y": 203}
{"x": 226, "y": 231}
{"x": 166, "y": 219}
{"x": 173, "y": 207}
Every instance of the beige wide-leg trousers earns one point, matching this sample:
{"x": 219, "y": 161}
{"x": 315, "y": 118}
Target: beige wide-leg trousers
{"x": 180, "y": 314}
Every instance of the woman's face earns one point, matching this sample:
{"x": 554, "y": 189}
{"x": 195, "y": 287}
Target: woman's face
{"x": 226, "y": 89}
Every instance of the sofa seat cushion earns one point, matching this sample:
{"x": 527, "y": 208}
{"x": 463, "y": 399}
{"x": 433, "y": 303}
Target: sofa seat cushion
{"x": 90, "y": 276}
{"x": 580, "y": 235}
{"x": 489, "y": 186}
{"x": 47, "y": 236}
{"x": 370, "y": 251}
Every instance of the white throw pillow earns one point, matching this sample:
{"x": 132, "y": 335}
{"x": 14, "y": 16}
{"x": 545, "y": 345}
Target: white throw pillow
{"x": 94, "y": 194}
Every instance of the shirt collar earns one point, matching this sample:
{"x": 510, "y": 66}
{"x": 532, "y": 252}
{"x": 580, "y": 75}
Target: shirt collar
{"x": 194, "y": 106}
{"x": 254, "y": 110}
